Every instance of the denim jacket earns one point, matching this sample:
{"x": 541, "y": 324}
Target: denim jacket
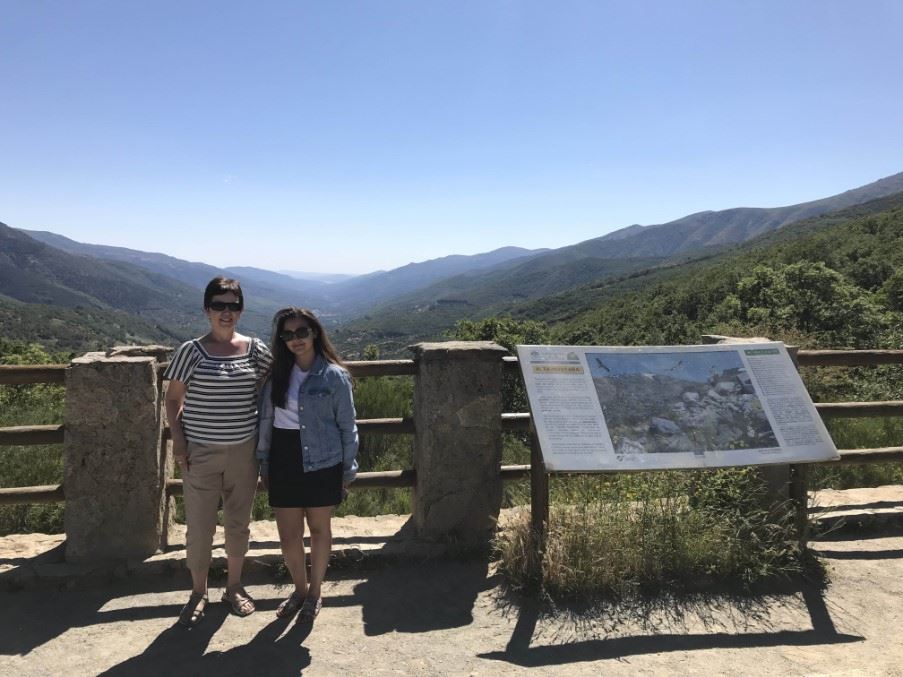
{"x": 326, "y": 414}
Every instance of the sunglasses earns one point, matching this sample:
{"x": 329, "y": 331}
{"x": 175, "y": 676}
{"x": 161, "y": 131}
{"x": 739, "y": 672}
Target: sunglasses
{"x": 299, "y": 333}
{"x": 234, "y": 306}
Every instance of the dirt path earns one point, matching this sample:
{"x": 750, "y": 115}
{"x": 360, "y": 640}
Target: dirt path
{"x": 452, "y": 619}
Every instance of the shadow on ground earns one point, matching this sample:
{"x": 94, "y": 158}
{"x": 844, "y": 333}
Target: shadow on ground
{"x": 276, "y": 650}
{"x": 640, "y": 626}
{"x": 410, "y": 598}
{"x": 433, "y": 595}
{"x": 437, "y": 596}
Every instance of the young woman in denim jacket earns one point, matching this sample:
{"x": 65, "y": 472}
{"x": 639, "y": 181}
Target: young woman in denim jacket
{"x": 307, "y": 448}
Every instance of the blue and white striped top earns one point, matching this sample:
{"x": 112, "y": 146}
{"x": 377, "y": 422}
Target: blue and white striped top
{"x": 221, "y": 392}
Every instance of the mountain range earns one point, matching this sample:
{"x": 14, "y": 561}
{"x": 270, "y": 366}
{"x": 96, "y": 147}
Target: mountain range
{"x": 431, "y": 310}
{"x": 161, "y": 294}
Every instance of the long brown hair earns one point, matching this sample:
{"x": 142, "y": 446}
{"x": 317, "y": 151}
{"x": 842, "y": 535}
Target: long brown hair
{"x": 284, "y": 359}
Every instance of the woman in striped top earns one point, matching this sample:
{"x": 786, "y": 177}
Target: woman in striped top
{"x": 211, "y": 404}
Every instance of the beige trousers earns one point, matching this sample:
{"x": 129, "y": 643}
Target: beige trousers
{"x": 218, "y": 470}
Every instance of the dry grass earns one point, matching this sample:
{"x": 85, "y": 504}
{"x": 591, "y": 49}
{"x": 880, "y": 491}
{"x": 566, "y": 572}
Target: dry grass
{"x": 614, "y": 537}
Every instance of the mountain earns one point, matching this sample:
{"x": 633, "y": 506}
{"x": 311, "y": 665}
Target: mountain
{"x": 329, "y": 278}
{"x": 78, "y": 329}
{"x": 360, "y": 293}
{"x": 345, "y": 297}
{"x": 569, "y": 306}
{"x": 33, "y": 272}
{"x": 434, "y": 309}
{"x": 416, "y": 301}
{"x": 192, "y": 273}
{"x": 725, "y": 227}
{"x": 265, "y": 291}
{"x": 830, "y": 281}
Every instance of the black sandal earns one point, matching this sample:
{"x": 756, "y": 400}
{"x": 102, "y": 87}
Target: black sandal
{"x": 310, "y": 609}
{"x": 290, "y": 605}
{"x": 193, "y": 612}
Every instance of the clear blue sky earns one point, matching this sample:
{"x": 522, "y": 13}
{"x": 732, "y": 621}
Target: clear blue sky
{"x": 355, "y": 136}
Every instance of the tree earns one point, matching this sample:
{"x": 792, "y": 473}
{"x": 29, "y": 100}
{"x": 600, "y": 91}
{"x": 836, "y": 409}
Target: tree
{"x": 505, "y": 331}
{"x": 892, "y": 291}
{"x": 808, "y": 297}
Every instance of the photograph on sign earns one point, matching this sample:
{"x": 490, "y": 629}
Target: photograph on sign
{"x": 607, "y": 408}
{"x": 678, "y": 402}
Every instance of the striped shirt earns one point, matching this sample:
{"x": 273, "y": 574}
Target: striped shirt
{"x": 221, "y": 392}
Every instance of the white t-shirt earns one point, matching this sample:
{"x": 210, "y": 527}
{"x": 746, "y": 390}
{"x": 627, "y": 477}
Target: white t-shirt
{"x": 288, "y": 417}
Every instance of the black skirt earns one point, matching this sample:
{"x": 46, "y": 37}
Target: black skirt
{"x": 290, "y": 486}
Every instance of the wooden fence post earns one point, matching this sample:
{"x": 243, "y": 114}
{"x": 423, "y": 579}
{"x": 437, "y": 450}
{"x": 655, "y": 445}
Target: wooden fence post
{"x": 799, "y": 485}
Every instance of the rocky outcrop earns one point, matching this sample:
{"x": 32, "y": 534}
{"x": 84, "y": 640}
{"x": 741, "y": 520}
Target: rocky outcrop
{"x": 654, "y": 413}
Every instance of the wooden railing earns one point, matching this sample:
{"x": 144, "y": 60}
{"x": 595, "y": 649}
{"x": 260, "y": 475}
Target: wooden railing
{"x": 511, "y": 422}
{"x": 54, "y": 434}
{"x": 27, "y": 435}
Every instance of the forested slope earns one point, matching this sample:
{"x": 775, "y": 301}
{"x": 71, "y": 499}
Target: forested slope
{"x": 834, "y": 281}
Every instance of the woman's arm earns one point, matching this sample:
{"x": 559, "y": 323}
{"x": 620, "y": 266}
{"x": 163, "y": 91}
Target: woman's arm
{"x": 345, "y": 420}
{"x": 175, "y": 398}
{"x": 263, "y": 360}
{"x": 265, "y": 415}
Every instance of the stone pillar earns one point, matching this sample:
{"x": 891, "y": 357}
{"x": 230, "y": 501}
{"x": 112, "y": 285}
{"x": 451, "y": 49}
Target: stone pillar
{"x": 114, "y": 478}
{"x": 458, "y": 439}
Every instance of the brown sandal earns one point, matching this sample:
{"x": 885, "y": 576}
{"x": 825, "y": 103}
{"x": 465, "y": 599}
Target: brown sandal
{"x": 193, "y": 612}
{"x": 240, "y": 601}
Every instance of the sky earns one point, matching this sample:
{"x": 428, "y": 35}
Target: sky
{"x": 348, "y": 137}
{"x": 688, "y": 366}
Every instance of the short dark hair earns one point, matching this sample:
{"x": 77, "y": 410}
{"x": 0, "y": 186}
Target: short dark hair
{"x": 222, "y": 285}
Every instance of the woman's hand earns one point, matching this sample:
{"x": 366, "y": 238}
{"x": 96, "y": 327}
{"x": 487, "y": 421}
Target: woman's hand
{"x": 180, "y": 451}
{"x": 175, "y": 396}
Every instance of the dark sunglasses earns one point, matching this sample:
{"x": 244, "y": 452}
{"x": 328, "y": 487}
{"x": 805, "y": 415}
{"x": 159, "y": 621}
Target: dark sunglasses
{"x": 234, "y": 306}
{"x": 299, "y": 333}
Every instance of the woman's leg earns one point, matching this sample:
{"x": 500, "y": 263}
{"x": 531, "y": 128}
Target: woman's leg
{"x": 239, "y": 485}
{"x": 319, "y": 521}
{"x": 202, "y": 486}
{"x": 290, "y": 522}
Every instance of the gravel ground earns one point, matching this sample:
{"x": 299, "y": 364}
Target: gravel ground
{"x": 452, "y": 618}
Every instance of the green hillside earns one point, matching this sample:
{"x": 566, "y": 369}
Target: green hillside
{"x": 33, "y": 272}
{"x": 835, "y": 280}
{"x": 96, "y": 302}
{"x": 561, "y": 283}
{"x": 827, "y": 280}
{"x": 80, "y": 329}
{"x": 430, "y": 313}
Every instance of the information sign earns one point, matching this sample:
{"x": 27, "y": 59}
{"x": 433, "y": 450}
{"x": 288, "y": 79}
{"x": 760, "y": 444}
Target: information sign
{"x": 648, "y": 408}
